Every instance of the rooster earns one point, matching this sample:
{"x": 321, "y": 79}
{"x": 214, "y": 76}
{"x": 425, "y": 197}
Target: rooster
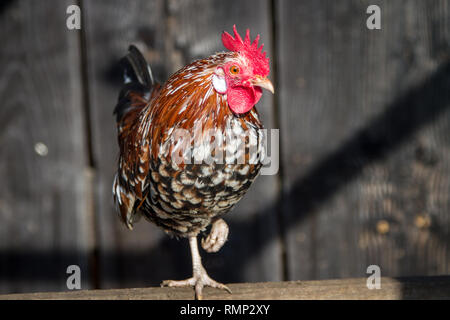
{"x": 164, "y": 175}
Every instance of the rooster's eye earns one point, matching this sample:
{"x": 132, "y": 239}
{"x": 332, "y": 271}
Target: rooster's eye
{"x": 234, "y": 69}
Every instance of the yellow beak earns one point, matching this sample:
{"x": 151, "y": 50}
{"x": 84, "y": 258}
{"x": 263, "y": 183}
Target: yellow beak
{"x": 263, "y": 83}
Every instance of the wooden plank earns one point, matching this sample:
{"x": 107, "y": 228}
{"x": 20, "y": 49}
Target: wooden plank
{"x": 44, "y": 207}
{"x": 124, "y": 258}
{"x": 348, "y": 289}
{"x": 365, "y": 174}
{"x": 175, "y": 33}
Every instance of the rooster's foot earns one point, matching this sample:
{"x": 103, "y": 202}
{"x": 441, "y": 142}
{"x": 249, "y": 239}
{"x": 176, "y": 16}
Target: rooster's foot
{"x": 217, "y": 237}
{"x": 198, "y": 281}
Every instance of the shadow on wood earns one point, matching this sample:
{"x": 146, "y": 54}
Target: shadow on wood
{"x": 423, "y": 104}
{"x": 250, "y": 235}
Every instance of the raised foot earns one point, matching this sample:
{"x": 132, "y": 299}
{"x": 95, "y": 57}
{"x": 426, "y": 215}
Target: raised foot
{"x": 217, "y": 236}
{"x": 198, "y": 282}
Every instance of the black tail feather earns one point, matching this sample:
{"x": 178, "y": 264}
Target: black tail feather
{"x": 138, "y": 78}
{"x": 137, "y": 68}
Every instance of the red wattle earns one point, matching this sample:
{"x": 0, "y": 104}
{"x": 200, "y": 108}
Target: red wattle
{"x": 242, "y": 99}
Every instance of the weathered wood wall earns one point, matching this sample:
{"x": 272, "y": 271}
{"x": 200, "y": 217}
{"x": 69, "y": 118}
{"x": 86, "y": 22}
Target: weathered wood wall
{"x": 365, "y": 145}
{"x": 44, "y": 191}
{"x": 366, "y": 174}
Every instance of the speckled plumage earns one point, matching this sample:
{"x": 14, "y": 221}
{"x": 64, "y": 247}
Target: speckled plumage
{"x": 191, "y": 148}
{"x": 183, "y": 199}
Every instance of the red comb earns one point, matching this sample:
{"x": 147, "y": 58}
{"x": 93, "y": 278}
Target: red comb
{"x": 254, "y": 54}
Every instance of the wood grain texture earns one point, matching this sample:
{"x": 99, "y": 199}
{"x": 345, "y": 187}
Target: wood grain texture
{"x": 366, "y": 172}
{"x": 437, "y": 287}
{"x": 172, "y": 34}
{"x": 124, "y": 257}
{"x": 364, "y": 119}
{"x": 44, "y": 206}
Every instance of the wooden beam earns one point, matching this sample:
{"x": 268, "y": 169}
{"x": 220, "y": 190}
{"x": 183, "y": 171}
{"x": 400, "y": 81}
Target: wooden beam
{"x": 436, "y": 287}
{"x": 45, "y": 190}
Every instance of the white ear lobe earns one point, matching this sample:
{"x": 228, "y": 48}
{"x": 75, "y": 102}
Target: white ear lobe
{"x": 219, "y": 83}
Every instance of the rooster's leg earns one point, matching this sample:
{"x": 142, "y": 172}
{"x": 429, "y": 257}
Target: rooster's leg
{"x": 200, "y": 278}
{"x": 217, "y": 237}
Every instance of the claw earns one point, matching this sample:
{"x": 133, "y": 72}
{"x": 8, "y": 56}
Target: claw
{"x": 198, "y": 281}
{"x": 200, "y": 278}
